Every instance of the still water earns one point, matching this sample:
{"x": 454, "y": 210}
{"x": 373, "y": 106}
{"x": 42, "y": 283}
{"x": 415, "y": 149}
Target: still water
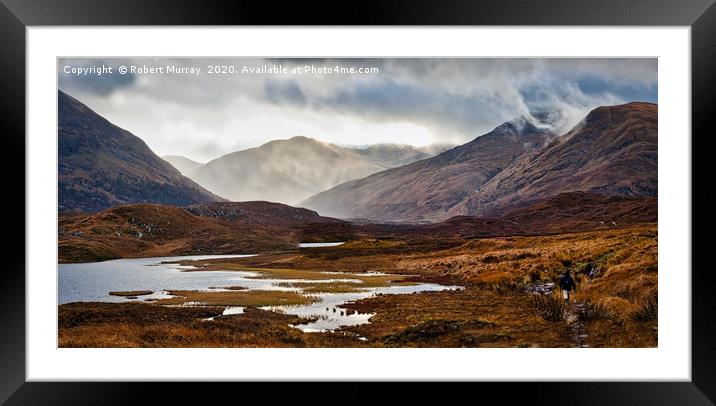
{"x": 92, "y": 281}
{"x": 319, "y": 244}
{"x": 86, "y": 282}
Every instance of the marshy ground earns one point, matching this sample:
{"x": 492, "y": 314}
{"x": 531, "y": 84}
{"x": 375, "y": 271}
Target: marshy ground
{"x": 616, "y": 271}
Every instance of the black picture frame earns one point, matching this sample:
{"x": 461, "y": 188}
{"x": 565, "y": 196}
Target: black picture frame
{"x": 16, "y": 15}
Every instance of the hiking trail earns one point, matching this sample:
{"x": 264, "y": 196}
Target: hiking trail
{"x": 574, "y": 315}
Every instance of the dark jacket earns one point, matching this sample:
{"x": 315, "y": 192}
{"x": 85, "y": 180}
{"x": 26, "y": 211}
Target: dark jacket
{"x": 567, "y": 283}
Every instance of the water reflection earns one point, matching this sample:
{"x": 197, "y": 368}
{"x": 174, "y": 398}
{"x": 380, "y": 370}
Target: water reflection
{"x": 93, "y": 281}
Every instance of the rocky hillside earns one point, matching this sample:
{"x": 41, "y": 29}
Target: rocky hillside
{"x": 427, "y": 190}
{"x": 100, "y": 165}
{"x": 611, "y": 152}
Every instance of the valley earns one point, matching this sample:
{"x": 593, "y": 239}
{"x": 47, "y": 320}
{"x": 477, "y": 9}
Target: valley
{"x": 494, "y": 305}
{"x": 304, "y": 243}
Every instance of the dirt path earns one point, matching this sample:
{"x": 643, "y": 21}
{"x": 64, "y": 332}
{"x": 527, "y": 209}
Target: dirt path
{"x": 574, "y": 316}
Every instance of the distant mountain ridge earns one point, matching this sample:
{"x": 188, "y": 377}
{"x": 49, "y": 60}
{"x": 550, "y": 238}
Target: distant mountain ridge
{"x": 290, "y": 170}
{"x": 185, "y": 165}
{"x": 612, "y": 152}
{"x": 427, "y": 190}
{"x": 101, "y": 165}
{"x": 284, "y": 171}
{"x": 392, "y": 155}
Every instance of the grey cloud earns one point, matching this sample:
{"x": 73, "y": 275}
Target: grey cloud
{"x": 284, "y": 91}
{"x": 102, "y": 85}
{"x": 456, "y": 99}
{"x": 394, "y": 101}
{"x": 471, "y": 96}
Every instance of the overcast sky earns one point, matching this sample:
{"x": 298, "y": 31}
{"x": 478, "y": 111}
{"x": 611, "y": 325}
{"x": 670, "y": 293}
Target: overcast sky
{"x": 411, "y": 101}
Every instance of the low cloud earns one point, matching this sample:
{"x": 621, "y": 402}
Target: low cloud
{"x": 410, "y": 100}
{"x": 279, "y": 92}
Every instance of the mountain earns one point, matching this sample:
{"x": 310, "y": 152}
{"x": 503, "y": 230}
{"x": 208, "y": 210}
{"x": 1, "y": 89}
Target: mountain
{"x": 215, "y": 228}
{"x": 101, "y": 165}
{"x": 612, "y": 152}
{"x": 563, "y": 213}
{"x": 392, "y": 155}
{"x": 185, "y": 165}
{"x": 285, "y": 171}
{"x": 427, "y": 190}
{"x": 291, "y": 170}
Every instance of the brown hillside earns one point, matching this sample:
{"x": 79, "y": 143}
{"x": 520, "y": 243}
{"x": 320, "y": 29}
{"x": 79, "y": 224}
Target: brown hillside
{"x": 427, "y": 190}
{"x": 612, "y": 152}
{"x": 147, "y": 230}
{"x": 101, "y": 165}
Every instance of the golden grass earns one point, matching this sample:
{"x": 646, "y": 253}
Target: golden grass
{"x": 372, "y": 243}
{"x": 236, "y": 298}
{"x": 621, "y": 299}
{"x": 263, "y": 273}
{"x": 130, "y": 325}
{"x": 346, "y": 287}
{"x": 131, "y": 293}
{"x": 472, "y": 317}
{"x": 363, "y": 281}
{"x": 623, "y": 293}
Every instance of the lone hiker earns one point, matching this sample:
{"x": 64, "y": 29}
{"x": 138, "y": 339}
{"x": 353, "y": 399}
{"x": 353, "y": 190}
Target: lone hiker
{"x": 567, "y": 284}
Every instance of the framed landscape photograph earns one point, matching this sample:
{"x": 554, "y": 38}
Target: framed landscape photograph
{"x": 357, "y": 203}
{"x": 392, "y": 225}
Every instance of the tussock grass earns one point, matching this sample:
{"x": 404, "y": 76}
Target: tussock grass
{"x": 647, "y": 308}
{"x": 608, "y": 308}
{"x": 117, "y": 325}
{"x": 621, "y": 296}
{"x": 549, "y": 307}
